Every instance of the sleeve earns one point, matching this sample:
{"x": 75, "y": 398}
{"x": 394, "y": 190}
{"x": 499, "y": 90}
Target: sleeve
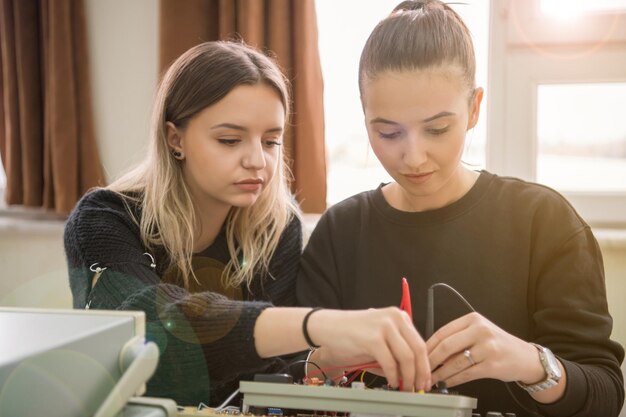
{"x": 318, "y": 284}
{"x": 571, "y": 318}
{"x": 204, "y": 338}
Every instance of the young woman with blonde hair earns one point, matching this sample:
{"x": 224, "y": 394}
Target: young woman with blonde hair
{"x": 205, "y": 237}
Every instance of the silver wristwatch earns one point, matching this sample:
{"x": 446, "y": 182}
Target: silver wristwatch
{"x": 550, "y": 366}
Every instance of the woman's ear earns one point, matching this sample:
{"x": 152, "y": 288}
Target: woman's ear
{"x": 173, "y": 137}
{"x": 475, "y": 108}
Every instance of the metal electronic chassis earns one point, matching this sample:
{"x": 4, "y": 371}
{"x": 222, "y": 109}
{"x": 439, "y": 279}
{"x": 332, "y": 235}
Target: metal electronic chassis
{"x": 370, "y": 401}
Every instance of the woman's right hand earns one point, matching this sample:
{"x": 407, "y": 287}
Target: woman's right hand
{"x": 386, "y": 336}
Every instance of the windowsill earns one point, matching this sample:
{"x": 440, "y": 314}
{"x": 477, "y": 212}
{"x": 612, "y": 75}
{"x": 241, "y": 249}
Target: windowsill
{"x": 29, "y": 221}
{"x": 35, "y": 221}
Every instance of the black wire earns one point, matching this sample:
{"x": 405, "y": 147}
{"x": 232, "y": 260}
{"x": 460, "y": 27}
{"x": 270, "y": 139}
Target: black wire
{"x": 455, "y": 292}
{"x": 469, "y": 306}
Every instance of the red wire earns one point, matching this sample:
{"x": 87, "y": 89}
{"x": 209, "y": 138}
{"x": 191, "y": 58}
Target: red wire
{"x": 354, "y": 375}
{"x": 348, "y": 368}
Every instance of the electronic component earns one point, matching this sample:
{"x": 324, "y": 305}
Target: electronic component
{"x": 262, "y": 394}
{"x": 272, "y": 411}
{"x": 205, "y": 412}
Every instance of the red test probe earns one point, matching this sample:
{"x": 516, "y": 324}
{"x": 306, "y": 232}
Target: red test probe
{"x": 405, "y": 302}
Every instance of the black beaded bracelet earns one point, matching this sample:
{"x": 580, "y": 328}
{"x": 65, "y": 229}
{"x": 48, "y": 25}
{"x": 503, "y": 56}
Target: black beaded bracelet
{"x": 305, "y": 330}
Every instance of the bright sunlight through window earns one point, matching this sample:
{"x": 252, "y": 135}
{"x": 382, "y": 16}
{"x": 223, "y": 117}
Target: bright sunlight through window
{"x": 566, "y": 9}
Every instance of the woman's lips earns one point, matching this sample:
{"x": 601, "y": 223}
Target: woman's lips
{"x": 418, "y": 178}
{"x": 250, "y": 184}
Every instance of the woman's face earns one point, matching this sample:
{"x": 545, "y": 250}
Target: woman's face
{"x": 416, "y": 123}
{"x": 231, "y": 149}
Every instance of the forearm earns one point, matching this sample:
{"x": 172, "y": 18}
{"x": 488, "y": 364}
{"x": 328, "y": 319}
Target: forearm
{"x": 582, "y": 390}
{"x": 591, "y": 391}
{"x": 278, "y": 331}
{"x": 530, "y": 371}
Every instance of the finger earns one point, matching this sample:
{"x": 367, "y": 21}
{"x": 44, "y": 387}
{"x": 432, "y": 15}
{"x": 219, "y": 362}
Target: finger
{"x": 454, "y": 326}
{"x": 388, "y": 364}
{"x": 404, "y": 356}
{"x": 470, "y": 374}
{"x": 452, "y": 345}
{"x": 454, "y": 365}
{"x": 418, "y": 346}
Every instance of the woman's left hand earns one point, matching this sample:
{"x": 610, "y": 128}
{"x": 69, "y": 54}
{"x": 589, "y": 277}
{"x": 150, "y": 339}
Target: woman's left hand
{"x": 472, "y": 347}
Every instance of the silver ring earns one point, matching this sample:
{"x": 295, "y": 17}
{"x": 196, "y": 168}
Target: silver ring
{"x": 468, "y": 355}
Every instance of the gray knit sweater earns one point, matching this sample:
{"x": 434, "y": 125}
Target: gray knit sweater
{"x": 205, "y": 335}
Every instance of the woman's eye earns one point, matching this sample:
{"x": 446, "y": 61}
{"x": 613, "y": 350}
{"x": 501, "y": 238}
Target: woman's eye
{"x": 229, "y": 142}
{"x": 437, "y": 132}
{"x": 272, "y": 142}
{"x": 391, "y": 135}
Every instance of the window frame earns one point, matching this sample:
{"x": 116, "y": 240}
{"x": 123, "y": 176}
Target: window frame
{"x": 3, "y": 185}
{"x": 518, "y": 65}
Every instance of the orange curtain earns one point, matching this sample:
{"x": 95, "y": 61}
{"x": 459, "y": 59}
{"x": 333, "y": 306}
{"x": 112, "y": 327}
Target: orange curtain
{"x": 288, "y": 28}
{"x": 47, "y": 140}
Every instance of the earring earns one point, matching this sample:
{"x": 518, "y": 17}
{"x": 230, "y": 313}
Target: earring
{"x": 177, "y": 154}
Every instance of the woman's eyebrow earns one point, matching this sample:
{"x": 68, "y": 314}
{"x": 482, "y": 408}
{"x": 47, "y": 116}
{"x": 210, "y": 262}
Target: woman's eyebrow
{"x": 382, "y": 120}
{"x": 230, "y": 126}
{"x": 437, "y": 116}
{"x": 245, "y": 129}
{"x": 426, "y": 120}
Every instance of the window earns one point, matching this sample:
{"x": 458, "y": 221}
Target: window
{"x": 573, "y": 8}
{"x": 352, "y": 167}
{"x": 581, "y": 142}
{"x": 557, "y": 84}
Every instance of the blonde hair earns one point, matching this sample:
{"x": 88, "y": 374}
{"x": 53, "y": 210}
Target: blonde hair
{"x": 199, "y": 78}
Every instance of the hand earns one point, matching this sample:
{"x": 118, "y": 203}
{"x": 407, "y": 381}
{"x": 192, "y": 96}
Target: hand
{"x": 494, "y": 353}
{"x": 386, "y": 336}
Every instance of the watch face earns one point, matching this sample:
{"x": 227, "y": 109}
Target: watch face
{"x": 553, "y": 363}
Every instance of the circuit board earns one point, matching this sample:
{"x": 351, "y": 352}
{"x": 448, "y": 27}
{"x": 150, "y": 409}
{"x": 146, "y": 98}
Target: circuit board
{"x": 193, "y": 412}
{"x": 361, "y": 401}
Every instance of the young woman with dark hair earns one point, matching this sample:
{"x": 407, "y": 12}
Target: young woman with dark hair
{"x": 526, "y": 262}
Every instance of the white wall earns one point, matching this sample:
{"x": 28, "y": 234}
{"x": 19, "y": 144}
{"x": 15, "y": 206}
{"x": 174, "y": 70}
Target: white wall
{"x": 33, "y": 271}
{"x": 123, "y": 48}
